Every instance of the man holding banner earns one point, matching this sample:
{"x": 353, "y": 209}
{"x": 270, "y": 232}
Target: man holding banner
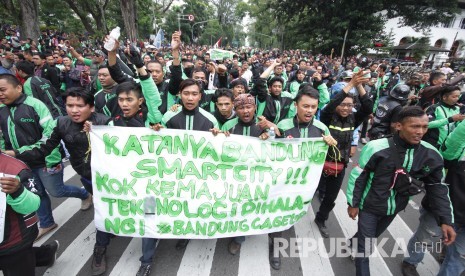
{"x": 245, "y": 124}
{"x": 189, "y": 116}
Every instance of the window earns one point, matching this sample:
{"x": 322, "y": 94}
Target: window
{"x": 462, "y": 24}
{"x": 449, "y": 24}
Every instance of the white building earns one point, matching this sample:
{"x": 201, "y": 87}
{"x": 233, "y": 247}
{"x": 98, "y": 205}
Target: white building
{"x": 449, "y": 36}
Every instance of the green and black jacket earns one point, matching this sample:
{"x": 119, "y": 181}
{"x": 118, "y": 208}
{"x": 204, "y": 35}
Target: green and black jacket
{"x": 168, "y": 89}
{"x": 453, "y": 151}
{"x": 43, "y": 90}
{"x": 76, "y": 141}
{"x": 369, "y": 186}
{"x": 197, "y": 119}
{"x": 290, "y": 128}
{"x": 441, "y": 123}
{"x": 236, "y": 126}
{"x": 274, "y": 108}
{"x": 25, "y": 125}
{"x": 106, "y": 102}
{"x": 277, "y": 108}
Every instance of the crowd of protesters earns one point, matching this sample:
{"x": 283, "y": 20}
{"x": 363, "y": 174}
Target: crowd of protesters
{"x": 53, "y": 90}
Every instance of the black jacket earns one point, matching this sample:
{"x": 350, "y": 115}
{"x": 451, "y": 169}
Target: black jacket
{"x": 197, "y": 119}
{"x": 274, "y": 108}
{"x": 237, "y": 126}
{"x": 369, "y": 186}
{"x": 342, "y": 129}
{"x": 168, "y": 89}
{"x": 386, "y": 113}
{"x": 25, "y": 123}
{"x": 76, "y": 141}
{"x": 52, "y": 74}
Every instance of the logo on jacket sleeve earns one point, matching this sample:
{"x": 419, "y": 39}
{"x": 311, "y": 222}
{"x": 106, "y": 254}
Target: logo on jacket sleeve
{"x": 31, "y": 185}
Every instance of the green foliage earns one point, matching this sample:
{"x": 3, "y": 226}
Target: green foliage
{"x": 421, "y": 47}
{"x": 265, "y": 23}
{"x": 320, "y": 25}
{"x": 211, "y": 33}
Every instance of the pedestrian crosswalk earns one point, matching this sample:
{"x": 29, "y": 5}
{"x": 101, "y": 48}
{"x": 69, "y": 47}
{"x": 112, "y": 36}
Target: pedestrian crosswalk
{"x": 76, "y": 233}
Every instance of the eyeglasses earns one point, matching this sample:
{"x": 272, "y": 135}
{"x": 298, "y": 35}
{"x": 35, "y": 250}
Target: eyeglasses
{"x": 348, "y": 105}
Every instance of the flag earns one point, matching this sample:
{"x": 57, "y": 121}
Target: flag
{"x": 218, "y": 43}
{"x": 159, "y": 39}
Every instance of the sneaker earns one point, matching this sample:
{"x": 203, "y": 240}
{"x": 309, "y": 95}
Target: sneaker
{"x": 364, "y": 141}
{"x": 86, "y": 203}
{"x": 46, "y": 254}
{"x": 44, "y": 231}
{"x": 181, "y": 244}
{"x": 99, "y": 262}
{"x": 234, "y": 247}
{"x": 144, "y": 270}
{"x": 53, "y": 247}
{"x": 322, "y": 227}
{"x": 409, "y": 269}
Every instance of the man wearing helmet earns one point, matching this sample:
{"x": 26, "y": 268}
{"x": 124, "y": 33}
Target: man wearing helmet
{"x": 387, "y": 110}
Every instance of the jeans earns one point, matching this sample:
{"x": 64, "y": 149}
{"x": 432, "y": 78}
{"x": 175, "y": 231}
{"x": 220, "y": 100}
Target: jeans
{"x": 370, "y": 226}
{"x": 332, "y": 185}
{"x": 103, "y": 238}
{"x": 454, "y": 262}
{"x": 53, "y": 183}
{"x": 55, "y": 186}
{"x": 149, "y": 246}
{"x": 426, "y": 237}
{"x": 87, "y": 185}
{"x": 45, "y": 208}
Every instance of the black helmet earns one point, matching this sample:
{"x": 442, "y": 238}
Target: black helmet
{"x": 400, "y": 92}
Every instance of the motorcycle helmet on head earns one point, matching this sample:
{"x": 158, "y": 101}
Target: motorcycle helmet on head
{"x": 400, "y": 92}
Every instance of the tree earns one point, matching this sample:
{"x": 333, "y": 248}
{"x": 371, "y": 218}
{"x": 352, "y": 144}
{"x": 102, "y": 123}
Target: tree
{"x": 387, "y": 42}
{"x": 202, "y": 11}
{"x": 10, "y": 12}
{"x": 128, "y": 10}
{"x": 95, "y": 8}
{"x": 421, "y": 46}
{"x": 321, "y": 25}
{"x": 162, "y": 6}
{"x": 229, "y": 14}
{"x": 211, "y": 33}
{"x": 29, "y": 19}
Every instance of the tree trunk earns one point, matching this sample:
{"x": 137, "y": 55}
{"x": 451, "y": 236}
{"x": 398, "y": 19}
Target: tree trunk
{"x": 100, "y": 23}
{"x": 128, "y": 10}
{"x": 29, "y": 19}
{"x": 84, "y": 19}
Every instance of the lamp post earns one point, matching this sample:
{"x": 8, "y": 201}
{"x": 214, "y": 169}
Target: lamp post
{"x": 201, "y": 22}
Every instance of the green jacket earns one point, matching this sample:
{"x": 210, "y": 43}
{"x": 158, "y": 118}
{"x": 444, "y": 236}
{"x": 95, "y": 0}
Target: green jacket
{"x": 440, "y": 124}
{"x": 369, "y": 186}
{"x": 25, "y": 125}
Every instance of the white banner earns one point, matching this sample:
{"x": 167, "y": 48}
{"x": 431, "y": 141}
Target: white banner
{"x": 2, "y": 213}
{"x": 190, "y": 184}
